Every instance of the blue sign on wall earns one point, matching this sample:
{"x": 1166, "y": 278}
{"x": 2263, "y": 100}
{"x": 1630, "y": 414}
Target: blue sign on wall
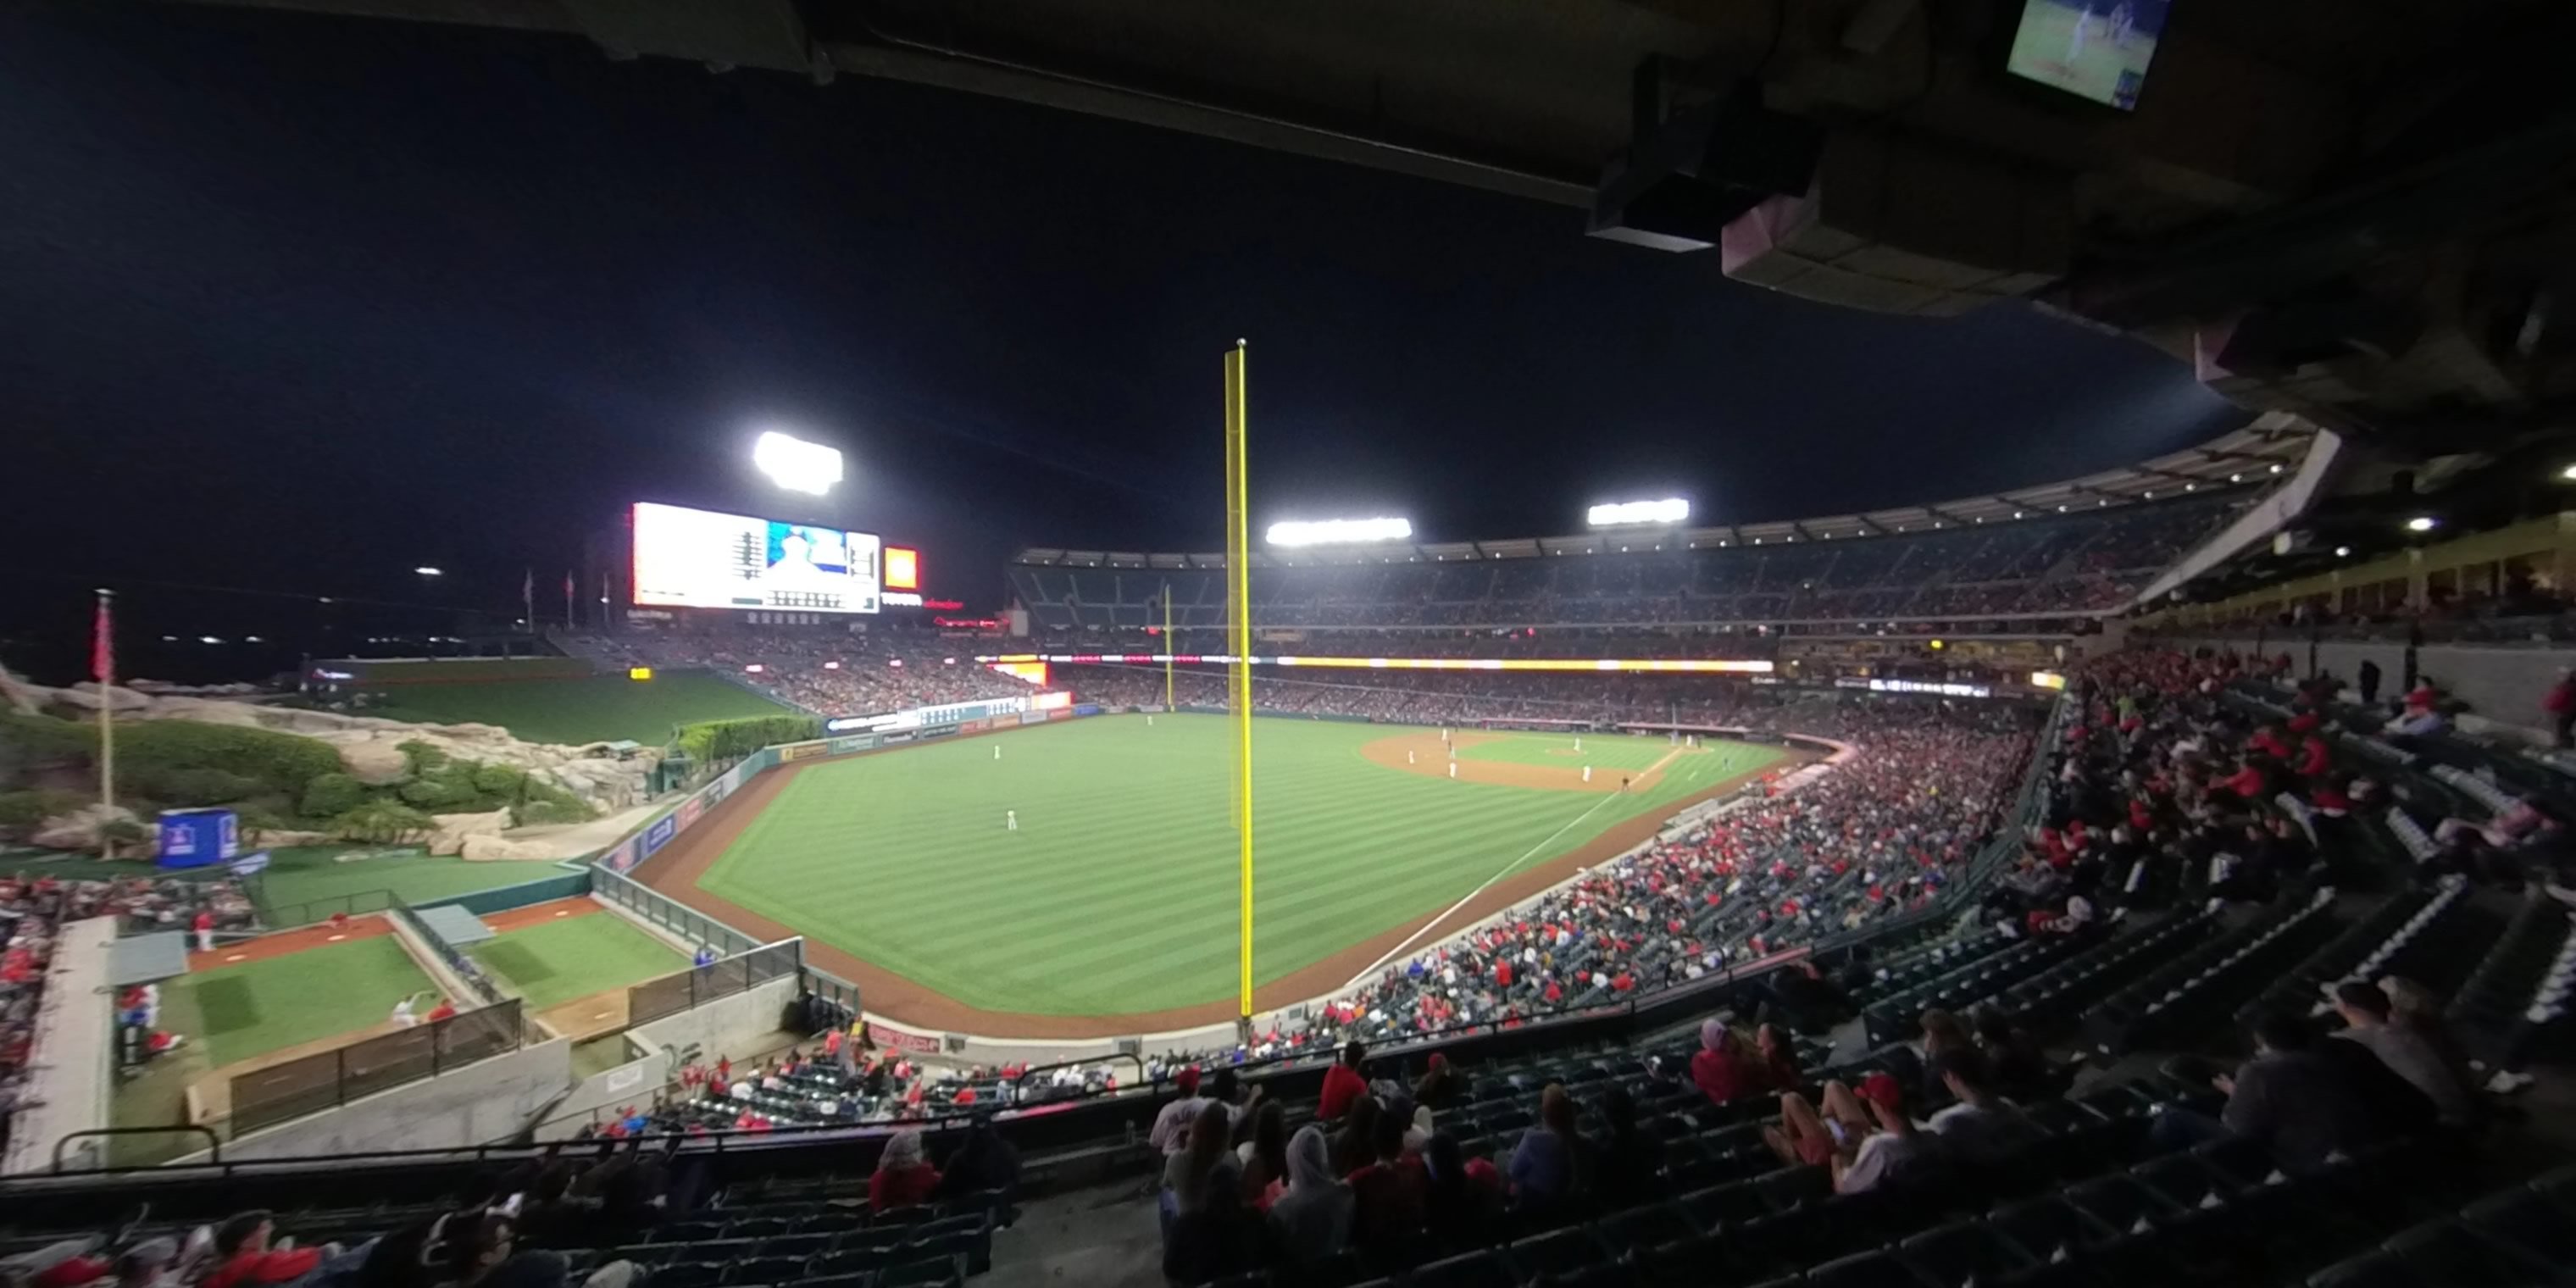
{"x": 193, "y": 838}
{"x": 660, "y": 834}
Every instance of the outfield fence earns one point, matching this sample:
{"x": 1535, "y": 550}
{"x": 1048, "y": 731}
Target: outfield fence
{"x": 330, "y": 1079}
{"x": 671, "y": 915}
{"x": 723, "y": 977}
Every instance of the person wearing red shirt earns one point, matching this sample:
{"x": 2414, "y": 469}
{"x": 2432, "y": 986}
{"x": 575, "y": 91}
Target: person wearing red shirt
{"x": 2561, "y": 706}
{"x": 2314, "y": 757}
{"x": 445, "y": 1010}
{"x": 1722, "y": 1069}
{"x": 1343, "y": 1085}
{"x": 1623, "y": 982}
{"x": 964, "y": 1096}
{"x": 903, "y": 1177}
{"x": 204, "y": 925}
{"x": 1503, "y": 973}
{"x": 2246, "y": 782}
{"x": 243, "y": 1259}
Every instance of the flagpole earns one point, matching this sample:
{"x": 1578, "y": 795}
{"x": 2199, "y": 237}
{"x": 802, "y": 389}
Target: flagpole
{"x": 103, "y": 668}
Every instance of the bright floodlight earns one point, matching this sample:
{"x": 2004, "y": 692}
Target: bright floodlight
{"x": 1339, "y": 532}
{"x": 2420, "y": 523}
{"x": 1671, "y": 509}
{"x": 797, "y": 465}
{"x": 426, "y": 571}
{"x": 2568, "y": 474}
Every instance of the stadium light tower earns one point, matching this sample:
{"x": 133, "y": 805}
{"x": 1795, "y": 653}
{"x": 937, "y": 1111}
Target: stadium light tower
{"x": 797, "y": 465}
{"x": 426, "y": 571}
{"x": 1620, "y": 514}
{"x": 1338, "y": 532}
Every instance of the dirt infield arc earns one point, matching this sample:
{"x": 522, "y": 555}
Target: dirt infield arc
{"x": 675, "y": 871}
{"x": 1422, "y": 752}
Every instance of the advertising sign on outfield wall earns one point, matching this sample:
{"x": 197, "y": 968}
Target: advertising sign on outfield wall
{"x": 796, "y": 751}
{"x": 898, "y": 1040}
{"x": 660, "y": 833}
{"x": 929, "y": 732}
{"x": 844, "y": 746}
{"x": 1087, "y": 709}
{"x": 1033, "y": 717}
{"x": 690, "y": 810}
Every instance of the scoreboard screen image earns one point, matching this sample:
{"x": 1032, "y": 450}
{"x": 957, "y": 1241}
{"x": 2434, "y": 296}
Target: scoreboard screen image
{"x": 701, "y": 559}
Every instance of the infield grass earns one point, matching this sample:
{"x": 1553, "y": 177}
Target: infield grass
{"x": 557, "y": 961}
{"x": 601, "y": 708}
{"x": 1118, "y": 891}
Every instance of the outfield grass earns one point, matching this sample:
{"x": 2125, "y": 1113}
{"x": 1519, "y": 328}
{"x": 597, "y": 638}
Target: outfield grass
{"x": 1118, "y": 891}
{"x": 603, "y": 708}
{"x": 558, "y": 961}
{"x": 237, "y": 1012}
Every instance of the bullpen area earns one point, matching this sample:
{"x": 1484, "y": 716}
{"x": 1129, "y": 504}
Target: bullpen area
{"x": 1080, "y": 878}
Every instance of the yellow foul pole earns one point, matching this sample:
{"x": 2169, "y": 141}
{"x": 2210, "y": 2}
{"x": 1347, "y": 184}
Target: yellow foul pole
{"x": 1238, "y": 616}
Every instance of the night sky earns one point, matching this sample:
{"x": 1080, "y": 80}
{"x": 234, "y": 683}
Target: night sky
{"x": 295, "y": 303}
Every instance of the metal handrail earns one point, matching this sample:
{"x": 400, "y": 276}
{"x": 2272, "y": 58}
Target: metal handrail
{"x": 214, "y": 1143}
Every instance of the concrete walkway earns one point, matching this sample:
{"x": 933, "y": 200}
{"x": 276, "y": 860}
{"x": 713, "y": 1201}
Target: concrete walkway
{"x": 581, "y": 840}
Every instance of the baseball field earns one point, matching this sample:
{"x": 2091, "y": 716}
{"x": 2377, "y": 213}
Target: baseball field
{"x": 1081, "y": 877}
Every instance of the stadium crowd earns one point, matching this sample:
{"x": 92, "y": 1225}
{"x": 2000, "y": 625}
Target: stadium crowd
{"x": 2073, "y": 563}
{"x": 2157, "y": 792}
{"x": 1855, "y": 843}
{"x": 34, "y": 909}
{"x": 830, "y": 673}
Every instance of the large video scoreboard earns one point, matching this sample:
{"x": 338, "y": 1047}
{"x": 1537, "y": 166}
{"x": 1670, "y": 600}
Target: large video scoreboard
{"x": 701, "y": 559}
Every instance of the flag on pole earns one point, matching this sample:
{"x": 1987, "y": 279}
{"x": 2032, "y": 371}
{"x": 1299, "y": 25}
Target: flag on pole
{"x": 528, "y": 595}
{"x": 102, "y": 665}
{"x": 567, "y": 599}
{"x": 102, "y": 648}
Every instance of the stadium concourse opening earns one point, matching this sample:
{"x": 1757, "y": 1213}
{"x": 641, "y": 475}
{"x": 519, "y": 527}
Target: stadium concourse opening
{"x": 1107, "y": 911}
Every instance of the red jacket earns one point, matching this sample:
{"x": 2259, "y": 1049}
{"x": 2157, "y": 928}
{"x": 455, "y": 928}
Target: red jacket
{"x": 246, "y": 1268}
{"x": 1343, "y": 1087}
{"x": 1723, "y": 1077}
{"x": 901, "y": 1186}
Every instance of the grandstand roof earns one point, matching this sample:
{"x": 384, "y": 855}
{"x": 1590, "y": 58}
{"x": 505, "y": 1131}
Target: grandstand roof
{"x": 2260, "y": 453}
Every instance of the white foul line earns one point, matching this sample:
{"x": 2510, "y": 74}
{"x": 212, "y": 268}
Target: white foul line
{"x": 1606, "y": 798}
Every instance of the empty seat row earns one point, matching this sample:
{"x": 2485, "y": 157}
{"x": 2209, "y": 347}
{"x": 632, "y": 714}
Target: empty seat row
{"x": 1897, "y": 1014}
{"x": 2525, "y": 1234}
{"x": 2065, "y": 989}
{"x": 2475, "y": 787}
{"x": 2202, "y": 982}
{"x": 2363, "y": 949}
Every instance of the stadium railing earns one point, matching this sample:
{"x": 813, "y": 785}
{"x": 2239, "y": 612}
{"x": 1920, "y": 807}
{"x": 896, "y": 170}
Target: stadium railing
{"x": 669, "y": 914}
{"x": 330, "y": 1079}
{"x": 358, "y": 903}
{"x": 740, "y": 973}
